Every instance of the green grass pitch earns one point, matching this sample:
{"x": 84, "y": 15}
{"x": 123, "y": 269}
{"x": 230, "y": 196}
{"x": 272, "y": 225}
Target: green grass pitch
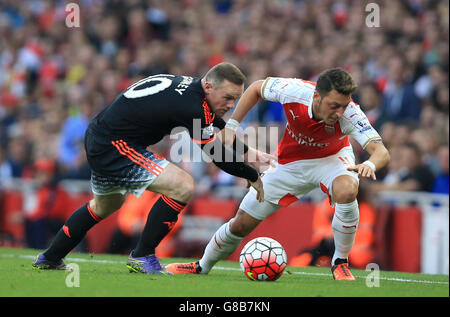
{"x": 106, "y": 276}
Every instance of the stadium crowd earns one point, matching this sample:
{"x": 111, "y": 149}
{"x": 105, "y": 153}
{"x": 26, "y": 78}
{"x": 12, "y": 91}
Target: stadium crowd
{"x": 54, "y": 77}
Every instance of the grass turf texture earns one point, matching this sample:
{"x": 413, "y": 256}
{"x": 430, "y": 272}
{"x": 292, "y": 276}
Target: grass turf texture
{"x": 106, "y": 275}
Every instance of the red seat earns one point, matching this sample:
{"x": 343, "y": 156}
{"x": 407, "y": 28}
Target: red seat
{"x": 13, "y": 215}
{"x": 406, "y": 239}
{"x": 213, "y": 207}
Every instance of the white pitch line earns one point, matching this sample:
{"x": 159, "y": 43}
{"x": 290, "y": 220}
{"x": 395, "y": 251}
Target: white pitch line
{"x": 329, "y": 274}
{"x": 221, "y": 268}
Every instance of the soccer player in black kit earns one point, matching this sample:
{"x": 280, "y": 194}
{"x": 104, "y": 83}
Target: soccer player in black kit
{"x": 116, "y": 142}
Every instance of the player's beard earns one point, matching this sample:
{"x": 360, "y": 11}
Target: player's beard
{"x": 221, "y": 112}
{"x": 327, "y": 120}
{"x": 316, "y": 110}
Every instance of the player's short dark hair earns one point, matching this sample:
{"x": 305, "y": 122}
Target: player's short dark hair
{"x": 225, "y": 71}
{"x": 338, "y": 79}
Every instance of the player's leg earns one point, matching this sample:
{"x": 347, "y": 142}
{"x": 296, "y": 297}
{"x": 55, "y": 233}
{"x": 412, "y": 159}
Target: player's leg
{"x": 228, "y": 237}
{"x": 115, "y": 173}
{"x": 278, "y": 182}
{"x": 346, "y": 215}
{"x": 345, "y": 224}
{"x": 177, "y": 188}
{"x": 76, "y": 227}
{"x": 342, "y": 187}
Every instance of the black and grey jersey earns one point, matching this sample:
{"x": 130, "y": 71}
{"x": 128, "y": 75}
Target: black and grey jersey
{"x": 151, "y": 108}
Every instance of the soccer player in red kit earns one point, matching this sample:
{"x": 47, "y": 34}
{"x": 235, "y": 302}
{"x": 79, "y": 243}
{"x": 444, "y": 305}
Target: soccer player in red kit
{"x": 315, "y": 152}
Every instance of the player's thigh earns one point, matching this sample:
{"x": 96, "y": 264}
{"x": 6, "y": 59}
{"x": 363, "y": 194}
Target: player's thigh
{"x": 335, "y": 179}
{"x": 105, "y": 205}
{"x": 254, "y": 208}
{"x": 174, "y": 183}
{"x": 284, "y": 184}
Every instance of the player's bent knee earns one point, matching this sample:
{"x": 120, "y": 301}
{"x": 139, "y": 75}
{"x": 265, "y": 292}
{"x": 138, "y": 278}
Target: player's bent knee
{"x": 345, "y": 189}
{"x": 183, "y": 188}
{"x": 103, "y": 206}
{"x": 243, "y": 224}
{"x": 174, "y": 183}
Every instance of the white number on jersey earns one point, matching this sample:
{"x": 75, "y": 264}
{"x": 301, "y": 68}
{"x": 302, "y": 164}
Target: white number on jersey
{"x": 162, "y": 83}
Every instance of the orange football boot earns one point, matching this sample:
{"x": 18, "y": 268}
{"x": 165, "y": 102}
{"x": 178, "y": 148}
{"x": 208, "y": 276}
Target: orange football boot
{"x": 341, "y": 272}
{"x": 184, "y": 268}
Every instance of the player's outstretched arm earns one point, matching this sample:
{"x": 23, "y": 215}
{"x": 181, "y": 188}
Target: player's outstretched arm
{"x": 227, "y": 160}
{"x": 258, "y": 159}
{"x": 379, "y": 157}
{"x": 248, "y": 100}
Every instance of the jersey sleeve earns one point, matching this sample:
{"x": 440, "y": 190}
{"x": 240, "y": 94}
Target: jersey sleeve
{"x": 356, "y": 124}
{"x": 286, "y": 90}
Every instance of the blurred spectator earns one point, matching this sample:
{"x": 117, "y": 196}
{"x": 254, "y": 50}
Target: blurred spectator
{"x": 6, "y": 171}
{"x": 394, "y": 134}
{"x": 396, "y": 171}
{"x": 407, "y": 171}
{"x": 53, "y": 78}
{"x": 212, "y": 179}
{"x": 399, "y": 102}
{"x": 427, "y": 141}
{"x": 442, "y": 181}
{"x": 19, "y": 157}
{"x": 46, "y": 208}
{"x": 370, "y": 101}
{"x": 72, "y": 158}
{"x": 441, "y": 97}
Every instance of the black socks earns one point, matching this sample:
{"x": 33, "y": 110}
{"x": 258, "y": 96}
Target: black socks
{"x": 73, "y": 231}
{"x": 160, "y": 220}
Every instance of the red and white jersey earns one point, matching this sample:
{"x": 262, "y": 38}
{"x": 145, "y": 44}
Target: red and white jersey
{"x": 305, "y": 138}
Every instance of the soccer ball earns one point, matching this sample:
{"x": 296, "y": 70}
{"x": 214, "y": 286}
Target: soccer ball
{"x": 263, "y": 259}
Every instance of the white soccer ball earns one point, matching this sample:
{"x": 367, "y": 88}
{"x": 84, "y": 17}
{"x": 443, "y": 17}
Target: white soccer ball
{"x": 263, "y": 259}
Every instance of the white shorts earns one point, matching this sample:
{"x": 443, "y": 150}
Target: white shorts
{"x": 287, "y": 183}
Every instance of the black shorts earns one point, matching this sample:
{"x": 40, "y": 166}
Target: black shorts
{"x": 118, "y": 167}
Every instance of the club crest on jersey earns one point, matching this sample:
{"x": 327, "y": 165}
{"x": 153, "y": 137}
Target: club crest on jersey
{"x": 329, "y": 129}
{"x": 208, "y": 132}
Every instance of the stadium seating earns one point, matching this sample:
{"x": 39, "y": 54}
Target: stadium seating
{"x": 397, "y": 231}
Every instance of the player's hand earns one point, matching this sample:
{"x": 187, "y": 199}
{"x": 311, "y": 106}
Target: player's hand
{"x": 261, "y": 161}
{"x": 228, "y": 136}
{"x": 363, "y": 170}
{"x": 258, "y": 186}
